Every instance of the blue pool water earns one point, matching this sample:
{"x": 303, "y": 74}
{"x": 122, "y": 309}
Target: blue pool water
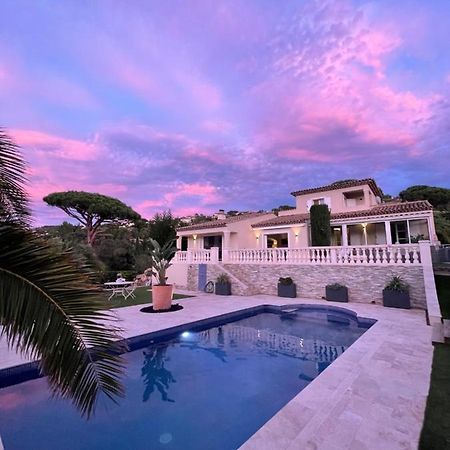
{"x": 204, "y": 389}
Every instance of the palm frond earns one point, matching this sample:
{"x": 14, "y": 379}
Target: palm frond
{"x": 50, "y": 310}
{"x": 13, "y": 198}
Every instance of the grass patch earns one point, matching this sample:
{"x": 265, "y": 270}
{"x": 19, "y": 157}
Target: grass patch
{"x": 436, "y": 428}
{"x": 443, "y": 290}
{"x": 143, "y": 296}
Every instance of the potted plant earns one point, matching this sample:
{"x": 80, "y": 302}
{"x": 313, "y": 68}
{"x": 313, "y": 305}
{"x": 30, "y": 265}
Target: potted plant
{"x": 396, "y": 294}
{"x": 223, "y": 285}
{"x": 286, "y": 287}
{"x": 161, "y": 291}
{"x": 336, "y": 293}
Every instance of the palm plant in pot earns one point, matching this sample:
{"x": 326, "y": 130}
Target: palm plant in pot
{"x": 161, "y": 257}
{"x": 396, "y": 294}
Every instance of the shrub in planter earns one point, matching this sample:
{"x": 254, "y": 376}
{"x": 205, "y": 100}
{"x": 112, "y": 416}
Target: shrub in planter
{"x": 336, "y": 293}
{"x": 223, "y": 285}
{"x": 287, "y": 288}
{"x": 396, "y": 294}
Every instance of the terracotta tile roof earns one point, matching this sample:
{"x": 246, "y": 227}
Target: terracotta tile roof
{"x": 342, "y": 185}
{"x": 379, "y": 210}
{"x": 282, "y": 220}
{"x": 222, "y": 222}
{"x": 387, "y": 208}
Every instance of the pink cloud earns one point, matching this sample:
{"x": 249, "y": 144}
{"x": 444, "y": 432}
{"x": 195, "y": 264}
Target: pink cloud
{"x": 176, "y": 194}
{"x": 56, "y": 146}
{"x": 326, "y": 84}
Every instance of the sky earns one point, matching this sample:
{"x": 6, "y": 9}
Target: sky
{"x": 194, "y": 105}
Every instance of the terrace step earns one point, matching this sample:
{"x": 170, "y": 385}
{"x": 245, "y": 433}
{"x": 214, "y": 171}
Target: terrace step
{"x": 239, "y": 287}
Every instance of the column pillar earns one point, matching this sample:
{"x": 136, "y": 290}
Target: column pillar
{"x": 431, "y": 230}
{"x": 225, "y": 245}
{"x": 387, "y": 231}
{"x": 344, "y": 235}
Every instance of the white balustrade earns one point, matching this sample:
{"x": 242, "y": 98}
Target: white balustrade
{"x": 353, "y": 255}
{"x": 194, "y": 257}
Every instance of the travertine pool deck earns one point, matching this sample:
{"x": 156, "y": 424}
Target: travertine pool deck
{"x": 372, "y": 397}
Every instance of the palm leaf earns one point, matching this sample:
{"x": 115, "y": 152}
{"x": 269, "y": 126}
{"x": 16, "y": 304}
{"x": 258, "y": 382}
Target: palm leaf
{"x": 13, "y": 198}
{"x": 49, "y": 310}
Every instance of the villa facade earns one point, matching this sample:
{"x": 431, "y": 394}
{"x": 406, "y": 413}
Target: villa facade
{"x": 372, "y": 241}
{"x": 359, "y": 216}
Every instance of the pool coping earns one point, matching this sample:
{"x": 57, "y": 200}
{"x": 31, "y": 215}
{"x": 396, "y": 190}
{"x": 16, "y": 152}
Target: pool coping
{"x": 348, "y": 404}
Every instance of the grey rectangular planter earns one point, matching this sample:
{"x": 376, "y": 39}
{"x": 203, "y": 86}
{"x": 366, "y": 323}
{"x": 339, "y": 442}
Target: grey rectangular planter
{"x": 336, "y": 295}
{"x": 223, "y": 288}
{"x": 287, "y": 290}
{"x": 396, "y": 299}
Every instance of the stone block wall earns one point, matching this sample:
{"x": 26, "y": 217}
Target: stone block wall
{"x": 365, "y": 283}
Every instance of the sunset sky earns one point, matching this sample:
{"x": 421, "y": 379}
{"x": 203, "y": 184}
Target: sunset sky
{"x": 200, "y": 105}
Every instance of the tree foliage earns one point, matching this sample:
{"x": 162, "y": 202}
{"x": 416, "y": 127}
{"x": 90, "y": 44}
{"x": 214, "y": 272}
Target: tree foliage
{"x": 320, "y": 225}
{"x": 200, "y": 218}
{"x": 163, "y": 227}
{"x": 92, "y": 210}
{"x": 49, "y": 309}
{"x": 439, "y": 197}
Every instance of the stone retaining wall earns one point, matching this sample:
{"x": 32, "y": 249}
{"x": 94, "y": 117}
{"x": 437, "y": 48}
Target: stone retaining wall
{"x": 365, "y": 283}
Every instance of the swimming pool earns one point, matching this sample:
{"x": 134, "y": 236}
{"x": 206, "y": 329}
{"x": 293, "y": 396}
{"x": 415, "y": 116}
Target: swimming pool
{"x": 207, "y": 387}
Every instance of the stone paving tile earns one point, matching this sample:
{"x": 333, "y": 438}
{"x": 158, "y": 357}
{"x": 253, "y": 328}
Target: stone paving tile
{"x": 372, "y": 397}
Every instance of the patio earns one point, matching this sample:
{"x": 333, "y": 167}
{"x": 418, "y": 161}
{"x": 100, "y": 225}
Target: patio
{"x": 365, "y": 399}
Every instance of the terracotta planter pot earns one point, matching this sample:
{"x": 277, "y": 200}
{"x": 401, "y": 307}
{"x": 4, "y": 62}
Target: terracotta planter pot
{"x": 162, "y": 296}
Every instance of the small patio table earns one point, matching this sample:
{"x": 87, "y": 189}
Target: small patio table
{"x": 117, "y": 288}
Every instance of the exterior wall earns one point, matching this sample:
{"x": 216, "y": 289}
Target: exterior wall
{"x": 241, "y": 234}
{"x": 177, "y": 274}
{"x": 335, "y": 200}
{"x": 365, "y": 283}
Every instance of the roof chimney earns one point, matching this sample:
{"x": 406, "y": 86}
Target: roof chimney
{"x": 220, "y": 215}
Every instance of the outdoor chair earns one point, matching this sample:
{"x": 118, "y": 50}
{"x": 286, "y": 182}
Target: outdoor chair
{"x": 128, "y": 291}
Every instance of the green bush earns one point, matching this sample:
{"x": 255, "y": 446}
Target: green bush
{"x": 397, "y": 284}
{"x": 287, "y": 281}
{"x": 320, "y": 225}
{"x": 222, "y": 278}
{"x": 335, "y": 286}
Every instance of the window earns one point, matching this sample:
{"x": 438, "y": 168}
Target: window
{"x": 399, "y": 232}
{"x": 319, "y": 201}
{"x": 279, "y": 240}
{"x": 212, "y": 241}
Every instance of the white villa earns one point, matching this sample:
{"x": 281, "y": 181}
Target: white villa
{"x": 372, "y": 242}
{"x": 359, "y": 216}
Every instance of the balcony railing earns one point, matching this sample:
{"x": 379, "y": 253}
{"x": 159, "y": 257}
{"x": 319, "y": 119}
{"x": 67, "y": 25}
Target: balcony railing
{"x": 354, "y": 255}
